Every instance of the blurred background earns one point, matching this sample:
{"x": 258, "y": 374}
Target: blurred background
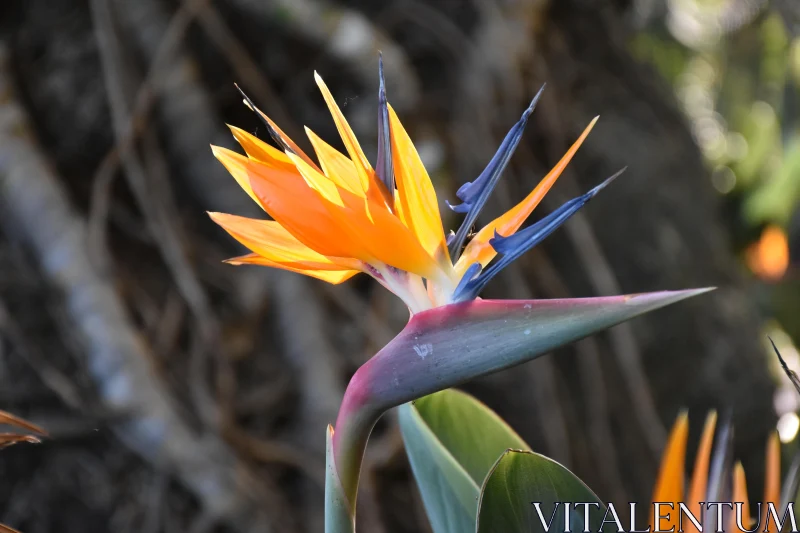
{"x": 183, "y": 394}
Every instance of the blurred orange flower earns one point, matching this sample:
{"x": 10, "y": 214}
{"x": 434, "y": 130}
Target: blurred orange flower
{"x": 769, "y": 257}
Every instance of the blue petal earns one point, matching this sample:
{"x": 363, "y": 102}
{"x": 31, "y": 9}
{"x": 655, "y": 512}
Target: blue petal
{"x": 460, "y": 208}
{"x": 383, "y": 166}
{"x": 474, "y": 194}
{"x": 468, "y": 276}
{"x": 515, "y": 245}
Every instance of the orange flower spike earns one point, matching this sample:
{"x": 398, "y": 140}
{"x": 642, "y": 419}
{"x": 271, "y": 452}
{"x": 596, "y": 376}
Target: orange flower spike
{"x": 740, "y": 495}
{"x": 669, "y": 486}
{"x": 699, "y": 483}
{"x": 772, "y": 477}
{"x": 275, "y": 132}
{"x": 333, "y": 277}
{"x": 326, "y": 188}
{"x": 479, "y": 249}
{"x": 236, "y": 165}
{"x": 366, "y": 174}
{"x": 257, "y": 149}
{"x": 416, "y": 195}
{"x": 338, "y": 168}
{"x": 376, "y": 235}
{"x": 270, "y": 240}
{"x": 289, "y": 200}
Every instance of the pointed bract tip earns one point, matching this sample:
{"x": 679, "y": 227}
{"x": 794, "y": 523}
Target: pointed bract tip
{"x": 381, "y": 80}
{"x": 774, "y": 347}
{"x": 215, "y": 216}
{"x": 534, "y": 101}
{"x": 606, "y": 182}
{"x": 247, "y": 101}
{"x": 686, "y": 293}
{"x": 670, "y": 297}
{"x": 791, "y": 374}
{"x": 241, "y": 91}
{"x": 233, "y": 129}
{"x": 702, "y": 290}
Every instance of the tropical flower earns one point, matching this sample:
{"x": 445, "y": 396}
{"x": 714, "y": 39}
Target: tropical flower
{"x": 337, "y": 217}
{"x": 713, "y": 481}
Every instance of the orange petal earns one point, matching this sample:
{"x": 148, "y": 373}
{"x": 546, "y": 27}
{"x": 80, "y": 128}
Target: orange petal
{"x": 260, "y": 150}
{"x": 366, "y": 174}
{"x": 255, "y": 149}
{"x": 290, "y": 201}
{"x": 271, "y": 241}
{"x": 669, "y": 486}
{"x": 335, "y": 165}
{"x": 740, "y": 494}
{"x": 327, "y": 189}
{"x": 479, "y": 249}
{"x": 285, "y": 138}
{"x": 772, "y": 477}
{"x": 418, "y": 202}
{"x": 374, "y": 233}
{"x": 237, "y": 166}
{"x": 331, "y": 276}
{"x": 699, "y": 484}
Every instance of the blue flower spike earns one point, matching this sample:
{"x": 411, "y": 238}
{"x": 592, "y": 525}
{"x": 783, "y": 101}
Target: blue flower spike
{"x": 474, "y": 194}
{"x": 383, "y": 166}
{"x": 513, "y": 246}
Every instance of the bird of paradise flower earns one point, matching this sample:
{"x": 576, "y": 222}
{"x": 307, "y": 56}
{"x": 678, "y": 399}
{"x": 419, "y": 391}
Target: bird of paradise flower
{"x": 342, "y": 217}
{"x": 339, "y": 216}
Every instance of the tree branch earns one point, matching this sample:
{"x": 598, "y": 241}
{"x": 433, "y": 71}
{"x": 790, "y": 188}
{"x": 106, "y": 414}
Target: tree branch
{"x": 37, "y": 207}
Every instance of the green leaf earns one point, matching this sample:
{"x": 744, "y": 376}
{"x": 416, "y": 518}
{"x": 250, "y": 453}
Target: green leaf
{"x": 338, "y": 518}
{"x": 521, "y": 478}
{"x": 469, "y": 430}
{"x": 452, "y": 441}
